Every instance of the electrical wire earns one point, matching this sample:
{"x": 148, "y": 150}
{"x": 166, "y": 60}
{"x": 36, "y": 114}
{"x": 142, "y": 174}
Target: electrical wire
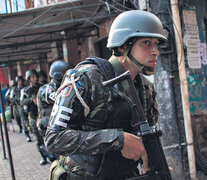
{"x": 125, "y": 7}
{"x": 94, "y": 13}
{"x": 22, "y": 27}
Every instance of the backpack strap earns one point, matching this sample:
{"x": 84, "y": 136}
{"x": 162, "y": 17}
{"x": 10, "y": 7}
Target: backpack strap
{"x": 105, "y": 66}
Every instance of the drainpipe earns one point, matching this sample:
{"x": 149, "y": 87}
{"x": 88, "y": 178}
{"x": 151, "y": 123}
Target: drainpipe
{"x": 184, "y": 89}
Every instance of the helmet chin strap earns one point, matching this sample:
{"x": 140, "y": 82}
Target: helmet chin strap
{"x": 143, "y": 68}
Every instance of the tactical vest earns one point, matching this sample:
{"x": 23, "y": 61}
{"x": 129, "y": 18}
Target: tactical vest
{"x": 31, "y": 92}
{"x": 117, "y": 115}
{"x": 44, "y": 108}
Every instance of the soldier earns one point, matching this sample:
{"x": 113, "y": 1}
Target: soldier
{"x": 46, "y": 99}
{"x": 94, "y": 125}
{"x": 29, "y": 101}
{"x": 42, "y": 78}
{"x": 15, "y": 99}
{"x": 15, "y": 111}
{"x": 7, "y": 97}
{"x": 46, "y": 94}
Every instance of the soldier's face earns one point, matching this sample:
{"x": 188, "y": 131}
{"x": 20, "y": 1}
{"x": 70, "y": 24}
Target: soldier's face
{"x": 20, "y": 82}
{"x": 34, "y": 79}
{"x": 145, "y": 50}
{"x": 41, "y": 78}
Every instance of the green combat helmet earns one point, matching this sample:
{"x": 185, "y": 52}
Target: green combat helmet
{"x": 134, "y": 23}
{"x": 19, "y": 77}
{"x": 130, "y": 25}
{"x": 29, "y": 73}
{"x": 58, "y": 69}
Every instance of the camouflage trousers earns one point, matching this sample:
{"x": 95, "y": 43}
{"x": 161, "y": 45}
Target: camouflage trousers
{"x": 24, "y": 119}
{"x": 17, "y": 117}
{"x": 34, "y": 130}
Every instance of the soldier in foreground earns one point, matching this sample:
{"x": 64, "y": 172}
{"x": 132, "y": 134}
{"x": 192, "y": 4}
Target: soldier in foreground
{"x": 93, "y": 126}
{"x": 46, "y": 99}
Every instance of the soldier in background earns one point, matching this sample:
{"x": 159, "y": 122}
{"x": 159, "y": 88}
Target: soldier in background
{"x": 15, "y": 99}
{"x": 7, "y": 97}
{"x": 46, "y": 99}
{"x": 29, "y": 100}
{"x": 46, "y": 94}
{"x": 42, "y": 78}
{"x": 14, "y": 105}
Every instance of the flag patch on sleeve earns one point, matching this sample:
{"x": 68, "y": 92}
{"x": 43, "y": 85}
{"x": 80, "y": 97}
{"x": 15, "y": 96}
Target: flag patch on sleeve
{"x": 67, "y": 90}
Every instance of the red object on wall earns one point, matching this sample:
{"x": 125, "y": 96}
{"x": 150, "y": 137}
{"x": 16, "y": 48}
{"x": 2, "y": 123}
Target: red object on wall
{"x": 29, "y": 4}
{"x": 3, "y": 78}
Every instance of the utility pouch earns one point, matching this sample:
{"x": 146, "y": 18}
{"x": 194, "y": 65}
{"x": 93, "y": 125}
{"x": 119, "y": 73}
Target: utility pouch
{"x": 57, "y": 172}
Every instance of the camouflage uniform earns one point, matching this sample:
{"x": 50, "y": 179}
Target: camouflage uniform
{"x": 88, "y": 121}
{"x": 45, "y": 101}
{"x": 28, "y": 94}
{"x": 15, "y": 98}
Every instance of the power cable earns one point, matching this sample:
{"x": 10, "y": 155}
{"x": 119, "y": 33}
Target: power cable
{"x": 22, "y": 27}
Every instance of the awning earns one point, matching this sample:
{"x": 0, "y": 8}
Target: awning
{"x": 28, "y": 35}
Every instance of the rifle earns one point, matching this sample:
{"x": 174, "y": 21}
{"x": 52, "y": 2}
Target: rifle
{"x": 157, "y": 163}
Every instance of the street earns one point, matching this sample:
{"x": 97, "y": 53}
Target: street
{"x": 25, "y": 159}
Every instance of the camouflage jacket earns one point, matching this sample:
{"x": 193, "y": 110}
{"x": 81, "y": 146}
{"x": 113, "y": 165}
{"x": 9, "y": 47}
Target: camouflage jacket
{"x": 15, "y": 95}
{"x": 89, "y": 119}
{"x": 26, "y": 100}
{"x": 45, "y": 101}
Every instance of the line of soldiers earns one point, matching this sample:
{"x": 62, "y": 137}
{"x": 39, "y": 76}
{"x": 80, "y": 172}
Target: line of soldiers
{"x": 32, "y": 104}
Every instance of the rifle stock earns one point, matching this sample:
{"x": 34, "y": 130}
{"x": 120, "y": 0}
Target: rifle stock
{"x": 157, "y": 163}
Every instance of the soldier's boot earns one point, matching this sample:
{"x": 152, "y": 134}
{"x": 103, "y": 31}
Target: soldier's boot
{"x": 27, "y": 136}
{"x": 43, "y": 161}
{"x": 44, "y": 157}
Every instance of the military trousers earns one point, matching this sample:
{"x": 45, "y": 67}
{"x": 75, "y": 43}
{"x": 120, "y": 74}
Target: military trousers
{"x": 17, "y": 116}
{"x": 24, "y": 119}
{"x": 33, "y": 127}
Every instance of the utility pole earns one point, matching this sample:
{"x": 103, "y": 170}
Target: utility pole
{"x": 184, "y": 89}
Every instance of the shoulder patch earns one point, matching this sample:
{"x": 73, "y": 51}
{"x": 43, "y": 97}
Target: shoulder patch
{"x": 67, "y": 90}
{"x": 49, "y": 90}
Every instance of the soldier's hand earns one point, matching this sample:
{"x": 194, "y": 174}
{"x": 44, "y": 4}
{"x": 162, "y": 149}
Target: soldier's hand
{"x": 134, "y": 149}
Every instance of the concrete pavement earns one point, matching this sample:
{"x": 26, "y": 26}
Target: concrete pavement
{"x": 25, "y": 159}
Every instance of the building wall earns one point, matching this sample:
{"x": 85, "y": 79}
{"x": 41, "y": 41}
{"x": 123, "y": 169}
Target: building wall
{"x": 197, "y": 83}
{"x": 80, "y": 48}
{"x": 195, "y": 53}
